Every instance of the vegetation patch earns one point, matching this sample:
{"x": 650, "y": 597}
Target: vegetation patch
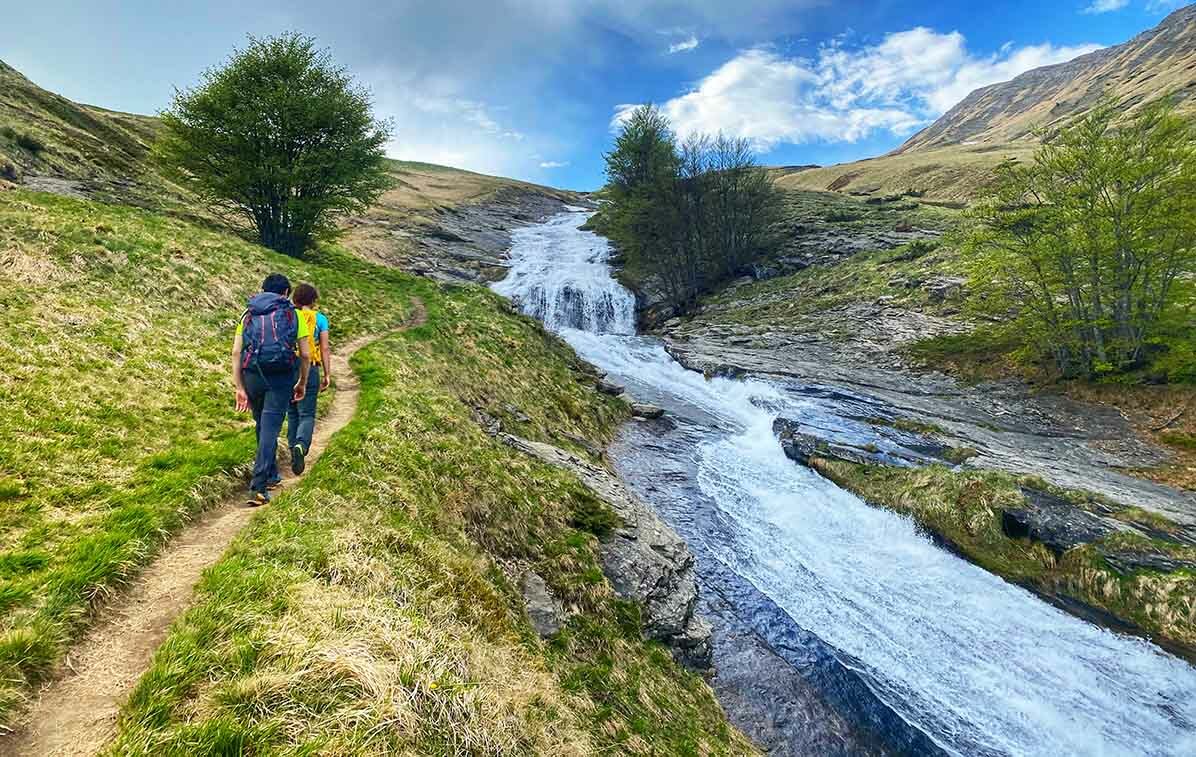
{"x": 118, "y": 426}
{"x": 964, "y": 507}
{"x": 373, "y": 609}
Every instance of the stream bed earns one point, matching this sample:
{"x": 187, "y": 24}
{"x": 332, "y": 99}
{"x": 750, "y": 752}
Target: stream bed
{"x": 840, "y": 628}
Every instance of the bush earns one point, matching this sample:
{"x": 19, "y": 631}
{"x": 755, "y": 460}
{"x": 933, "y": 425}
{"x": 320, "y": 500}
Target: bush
{"x": 23, "y": 139}
{"x": 1090, "y": 243}
{"x": 841, "y": 216}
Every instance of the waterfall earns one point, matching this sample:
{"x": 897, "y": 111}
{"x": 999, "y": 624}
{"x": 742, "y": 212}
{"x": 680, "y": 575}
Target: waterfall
{"x": 981, "y": 666}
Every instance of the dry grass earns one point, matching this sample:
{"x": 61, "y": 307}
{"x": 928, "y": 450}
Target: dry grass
{"x": 952, "y": 174}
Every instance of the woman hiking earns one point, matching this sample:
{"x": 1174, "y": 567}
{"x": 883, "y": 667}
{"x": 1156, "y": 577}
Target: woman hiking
{"x": 271, "y": 352}
{"x": 301, "y": 416}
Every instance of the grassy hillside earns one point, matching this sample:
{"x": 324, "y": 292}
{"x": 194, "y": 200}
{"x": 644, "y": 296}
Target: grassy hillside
{"x": 954, "y": 157}
{"x": 947, "y": 175}
{"x": 374, "y": 604}
{"x": 48, "y": 141}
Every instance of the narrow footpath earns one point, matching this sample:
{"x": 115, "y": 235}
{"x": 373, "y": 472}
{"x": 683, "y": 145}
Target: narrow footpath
{"x": 76, "y": 711}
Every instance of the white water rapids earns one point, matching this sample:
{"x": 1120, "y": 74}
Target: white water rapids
{"x": 980, "y": 665}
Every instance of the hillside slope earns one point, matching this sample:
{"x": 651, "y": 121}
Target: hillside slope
{"x": 49, "y": 143}
{"x": 374, "y": 606}
{"x": 955, "y": 156}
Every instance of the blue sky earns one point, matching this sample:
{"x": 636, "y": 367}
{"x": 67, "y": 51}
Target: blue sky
{"x": 530, "y": 88}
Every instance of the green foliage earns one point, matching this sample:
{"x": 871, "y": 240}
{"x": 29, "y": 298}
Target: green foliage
{"x": 23, "y": 139}
{"x": 687, "y": 216}
{"x": 1085, "y": 244}
{"x": 278, "y": 137}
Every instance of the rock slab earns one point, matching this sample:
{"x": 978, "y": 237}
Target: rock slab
{"x": 644, "y": 560}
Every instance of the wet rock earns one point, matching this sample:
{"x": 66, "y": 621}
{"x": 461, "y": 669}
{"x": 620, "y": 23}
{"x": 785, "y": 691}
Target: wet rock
{"x": 609, "y": 387}
{"x": 644, "y": 410}
{"x": 543, "y": 609}
{"x": 1054, "y": 522}
{"x": 1128, "y": 561}
{"x": 644, "y": 560}
{"x": 801, "y": 447}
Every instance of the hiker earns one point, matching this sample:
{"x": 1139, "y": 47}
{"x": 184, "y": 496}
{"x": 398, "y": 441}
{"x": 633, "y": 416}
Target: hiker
{"x": 301, "y": 416}
{"x": 271, "y": 353}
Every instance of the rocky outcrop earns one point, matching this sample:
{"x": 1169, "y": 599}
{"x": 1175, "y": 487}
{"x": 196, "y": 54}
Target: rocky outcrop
{"x": 646, "y": 411}
{"x": 644, "y": 560}
{"x": 543, "y": 609}
{"x": 464, "y": 243}
{"x": 1053, "y": 522}
{"x": 906, "y": 448}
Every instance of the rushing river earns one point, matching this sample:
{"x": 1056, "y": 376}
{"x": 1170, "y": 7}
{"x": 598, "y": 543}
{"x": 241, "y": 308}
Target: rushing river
{"x": 975, "y": 664}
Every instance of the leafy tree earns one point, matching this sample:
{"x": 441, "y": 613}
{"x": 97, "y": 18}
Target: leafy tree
{"x": 686, "y": 216}
{"x": 1085, "y": 244}
{"x": 279, "y": 137}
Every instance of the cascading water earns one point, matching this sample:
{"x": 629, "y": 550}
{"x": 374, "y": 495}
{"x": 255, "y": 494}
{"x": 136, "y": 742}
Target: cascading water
{"x": 977, "y": 664}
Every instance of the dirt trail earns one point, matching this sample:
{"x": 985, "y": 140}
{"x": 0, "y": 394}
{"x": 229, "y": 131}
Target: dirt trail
{"x": 76, "y": 711}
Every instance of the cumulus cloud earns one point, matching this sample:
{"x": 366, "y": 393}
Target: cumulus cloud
{"x": 685, "y": 45}
{"x": 845, "y": 93}
{"x": 1105, "y": 6}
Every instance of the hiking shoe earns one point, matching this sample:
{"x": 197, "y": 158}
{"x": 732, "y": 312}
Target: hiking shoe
{"x": 297, "y": 461}
{"x": 257, "y": 499}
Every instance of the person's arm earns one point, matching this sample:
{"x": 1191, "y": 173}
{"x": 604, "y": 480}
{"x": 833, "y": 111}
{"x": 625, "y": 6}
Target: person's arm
{"x": 304, "y": 365}
{"x": 238, "y": 381}
{"x": 326, "y": 359}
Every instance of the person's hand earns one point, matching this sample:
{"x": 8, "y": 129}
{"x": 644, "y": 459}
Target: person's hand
{"x": 325, "y": 380}
{"x": 242, "y": 401}
{"x": 300, "y": 392}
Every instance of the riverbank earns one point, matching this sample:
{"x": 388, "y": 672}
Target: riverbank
{"x": 800, "y": 575}
{"x": 843, "y": 332}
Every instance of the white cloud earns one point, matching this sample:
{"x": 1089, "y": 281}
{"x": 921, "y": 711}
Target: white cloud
{"x": 684, "y": 45}
{"x": 554, "y": 164}
{"x": 1105, "y": 6}
{"x": 435, "y": 123}
{"x": 845, "y": 94}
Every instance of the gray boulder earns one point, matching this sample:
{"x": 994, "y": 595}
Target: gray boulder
{"x": 543, "y": 609}
{"x": 644, "y": 410}
{"x": 1054, "y": 522}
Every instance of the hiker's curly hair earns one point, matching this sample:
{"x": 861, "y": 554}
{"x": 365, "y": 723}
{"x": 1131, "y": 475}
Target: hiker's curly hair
{"x": 306, "y": 295}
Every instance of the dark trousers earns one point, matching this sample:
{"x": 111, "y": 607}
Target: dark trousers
{"x": 301, "y": 415}
{"x": 269, "y": 396}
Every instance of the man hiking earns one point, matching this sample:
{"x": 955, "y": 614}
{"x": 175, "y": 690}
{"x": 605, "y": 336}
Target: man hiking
{"x": 271, "y": 352}
{"x": 301, "y": 416}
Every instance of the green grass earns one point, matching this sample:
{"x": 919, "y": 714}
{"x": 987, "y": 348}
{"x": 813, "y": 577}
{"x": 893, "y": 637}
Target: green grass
{"x": 964, "y": 506}
{"x": 117, "y": 426}
{"x": 374, "y": 609}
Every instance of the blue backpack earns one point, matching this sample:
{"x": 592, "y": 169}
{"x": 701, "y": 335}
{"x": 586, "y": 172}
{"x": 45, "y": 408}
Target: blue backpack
{"x": 270, "y": 334}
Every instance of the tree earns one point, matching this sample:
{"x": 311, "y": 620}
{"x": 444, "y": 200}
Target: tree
{"x": 686, "y": 216}
{"x": 280, "y": 138}
{"x": 1086, "y": 242}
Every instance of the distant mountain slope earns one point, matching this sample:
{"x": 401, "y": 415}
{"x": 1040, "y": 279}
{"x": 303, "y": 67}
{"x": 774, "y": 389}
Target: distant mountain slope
{"x": 1155, "y": 63}
{"x": 955, "y": 156}
{"x": 50, "y": 142}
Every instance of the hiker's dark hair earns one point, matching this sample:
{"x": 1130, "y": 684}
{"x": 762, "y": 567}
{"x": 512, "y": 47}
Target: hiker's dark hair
{"x": 276, "y": 283}
{"x": 305, "y": 295}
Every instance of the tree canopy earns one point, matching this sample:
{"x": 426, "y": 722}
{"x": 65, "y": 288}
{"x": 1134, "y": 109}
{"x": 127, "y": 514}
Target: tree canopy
{"x": 280, "y": 137}
{"x": 689, "y": 215}
{"x": 1085, "y": 245}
